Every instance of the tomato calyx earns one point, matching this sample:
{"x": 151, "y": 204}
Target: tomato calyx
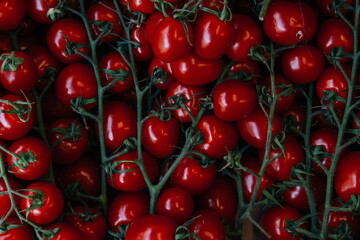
{"x": 58, "y": 11}
{"x": 11, "y": 63}
{"x": 74, "y": 48}
{"x": 118, "y": 76}
{"x": 294, "y": 227}
{"x": 19, "y": 108}
{"x": 23, "y": 160}
{"x": 77, "y": 104}
{"x": 6, "y": 226}
{"x": 72, "y": 132}
{"x": 317, "y": 153}
{"x": 37, "y": 200}
{"x": 158, "y": 76}
{"x": 183, "y": 232}
{"x": 104, "y": 27}
{"x": 338, "y": 54}
{"x": 49, "y": 234}
{"x": 330, "y": 97}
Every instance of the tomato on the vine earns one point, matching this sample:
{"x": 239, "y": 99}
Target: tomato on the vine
{"x": 153, "y": 68}
{"x": 12, "y": 14}
{"x": 38, "y": 10}
{"x": 5, "y": 201}
{"x": 20, "y": 231}
{"x": 143, "y": 52}
{"x": 65, "y": 232}
{"x": 207, "y": 226}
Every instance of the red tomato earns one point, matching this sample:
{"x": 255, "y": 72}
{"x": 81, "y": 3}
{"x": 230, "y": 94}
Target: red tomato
{"x": 249, "y": 67}
{"x": 151, "y": 227}
{"x": 176, "y": 204}
{"x": 324, "y": 7}
{"x": 127, "y": 207}
{"x": 91, "y": 228}
{"x": 38, "y": 9}
{"x": 298, "y": 113}
{"x": 35, "y": 158}
{"x": 287, "y": 22}
{"x": 12, "y": 14}
{"x": 143, "y": 52}
{"x": 22, "y": 231}
{"x": 23, "y": 77}
{"x": 247, "y": 34}
{"x": 53, "y": 202}
{"x": 132, "y": 181}
{"x": 5, "y": 201}
{"x": 76, "y": 80}
{"x": 144, "y": 6}
{"x": 192, "y": 177}
{"x": 6, "y": 44}
{"x": 70, "y": 29}
{"x": 66, "y": 232}
{"x": 151, "y": 23}
{"x": 11, "y": 127}
{"x": 302, "y": 64}
{"x": 207, "y": 226}
{"x": 233, "y": 100}
{"x": 166, "y": 67}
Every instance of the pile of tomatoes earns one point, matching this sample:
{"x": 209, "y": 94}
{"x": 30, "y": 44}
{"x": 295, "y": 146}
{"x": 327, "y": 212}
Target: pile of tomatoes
{"x": 179, "y": 119}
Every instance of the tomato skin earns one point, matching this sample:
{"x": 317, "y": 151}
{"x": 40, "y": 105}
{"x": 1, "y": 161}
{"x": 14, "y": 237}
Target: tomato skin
{"x": 76, "y": 80}
{"x": 11, "y": 128}
{"x": 144, "y": 6}
{"x": 37, "y": 10}
{"x": 5, "y": 43}
{"x": 166, "y": 67}
{"x": 220, "y": 137}
{"x": 5, "y": 201}
{"x": 127, "y": 207}
{"x": 67, "y": 232}
{"x": 249, "y": 67}
{"x": 12, "y": 14}
{"x": 233, "y": 100}
{"x": 133, "y": 181}
{"x": 22, "y": 232}
{"x": 35, "y": 169}
{"x": 247, "y": 34}
{"x": 207, "y": 226}
{"x": 287, "y": 22}
{"x": 324, "y": 7}
{"x": 151, "y": 23}
{"x": 302, "y": 64}
{"x": 144, "y": 52}
{"x": 192, "y": 177}
{"x": 53, "y": 203}
{"x": 75, "y": 32}
{"x": 298, "y": 113}
{"x": 151, "y": 227}
{"x": 176, "y": 204}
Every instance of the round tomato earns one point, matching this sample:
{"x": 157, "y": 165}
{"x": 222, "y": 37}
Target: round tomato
{"x": 324, "y": 6}
{"x": 207, "y": 226}
{"x": 12, "y": 14}
{"x": 298, "y": 114}
{"x": 5, "y": 43}
{"x": 65, "y": 232}
{"x": 144, "y": 6}
{"x": 151, "y": 23}
{"x": 246, "y": 71}
{"x": 21, "y": 231}
{"x": 166, "y": 68}
{"x": 38, "y": 10}
{"x": 5, "y": 201}
{"x": 143, "y": 52}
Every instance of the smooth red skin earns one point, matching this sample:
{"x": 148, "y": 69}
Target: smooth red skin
{"x": 298, "y": 112}
{"x": 53, "y": 203}
{"x": 221, "y": 198}
{"x": 5, "y": 43}
{"x": 192, "y": 177}
{"x": 144, "y": 6}
{"x": 297, "y": 197}
{"x": 11, "y": 128}
{"x": 169, "y": 41}
{"x": 53, "y": 109}
{"x": 151, "y": 227}
{"x": 196, "y": 71}
{"x": 324, "y": 7}
{"x": 133, "y": 181}
{"x": 114, "y": 61}
{"x": 144, "y": 52}
{"x": 76, "y": 80}
{"x": 248, "y": 180}
{"x": 273, "y": 222}
{"x": 189, "y": 92}
{"x": 234, "y": 100}
{"x": 67, "y": 232}
{"x": 302, "y": 64}
{"x": 5, "y": 201}
{"x": 207, "y": 226}
{"x": 104, "y": 11}
{"x": 151, "y": 23}
{"x": 119, "y": 123}
{"x": 37, "y": 9}
{"x": 220, "y": 137}
{"x": 212, "y": 36}
{"x": 334, "y": 32}
{"x": 253, "y": 128}
{"x": 74, "y": 31}
{"x": 166, "y": 67}
{"x": 176, "y": 204}
{"x": 21, "y": 80}
{"x": 127, "y": 207}
{"x": 36, "y": 169}
{"x": 87, "y": 171}
{"x": 12, "y": 14}
{"x": 160, "y": 137}
{"x": 94, "y": 229}
{"x": 23, "y": 232}
{"x": 247, "y": 34}
{"x": 249, "y": 67}
{"x": 287, "y": 22}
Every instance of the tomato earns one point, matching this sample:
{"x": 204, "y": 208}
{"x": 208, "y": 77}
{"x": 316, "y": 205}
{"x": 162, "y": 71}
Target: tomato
{"x": 38, "y": 9}
{"x": 120, "y": 123}
{"x": 11, "y": 127}
{"x": 92, "y": 224}
{"x": 151, "y": 227}
{"x": 273, "y": 222}
{"x": 35, "y": 158}
{"x": 127, "y": 207}
{"x": 302, "y": 64}
{"x": 249, "y": 67}
{"x": 23, "y": 77}
{"x": 132, "y": 181}
{"x": 12, "y": 14}
{"x": 5, "y": 43}
{"x": 298, "y": 114}
{"x": 112, "y": 62}
{"x": 144, "y": 6}
{"x": 196, "y": 71}
{"x": 169, "y": 41}
{"x": 207, "y": 226}
{"x": 247, "y": 34}
{"x": 5, "y": 201}
{"x": 233, "y": 100}
{"x": 220, "y": 137}
{"x": 143, "y": 52}
{"x": 166, "y": 67}
{"x": 152, "y": 22}
{"x": 176, "y": 204}
{"x": 160, "y": 137}
{"x": 66, "y": 232}
{"x": 86, "y": 171}
{"x": 324, "y": 6}
{"x": 74, "y": 31}
{"x": 221, "y": 198}
{"x": 287, "y": 22}
{"x": 191, "y": 94}
{"x": 22, "y": 231}
{"x": 192, "y": 177}
{"x": 53, "y": 202}
{"x": 76, "y": 80}
{"x": 253, "y": 128}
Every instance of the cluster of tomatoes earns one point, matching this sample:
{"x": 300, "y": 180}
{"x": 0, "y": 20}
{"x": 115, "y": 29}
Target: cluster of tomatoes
{"x": 178, "y": 119}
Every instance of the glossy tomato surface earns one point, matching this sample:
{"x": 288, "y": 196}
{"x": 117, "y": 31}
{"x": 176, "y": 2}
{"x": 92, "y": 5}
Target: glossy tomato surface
{"x": 207, "y": 226}
{"x": 21, "y": 231}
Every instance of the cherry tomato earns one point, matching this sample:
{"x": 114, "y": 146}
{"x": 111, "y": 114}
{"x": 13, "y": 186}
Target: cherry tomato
{"x": 165, "y": 67}
{"x": 207, "y": 226}
{"x": 5, "y": 201}
{"x": 143, "y": 52}
{"x": 66, "y": 232}
{"x": 249, "y": 68}
{"x": 144, "y": 6}
{"x": 298, "y": 114}
{"x": 5, "y": 43}
{"x": 324, "y": 6}
{"x": 38, "y": 9}
{"x": 22, "y": 231}
{"x": 12, "y": 14}
{"x": 152, "y": 22}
